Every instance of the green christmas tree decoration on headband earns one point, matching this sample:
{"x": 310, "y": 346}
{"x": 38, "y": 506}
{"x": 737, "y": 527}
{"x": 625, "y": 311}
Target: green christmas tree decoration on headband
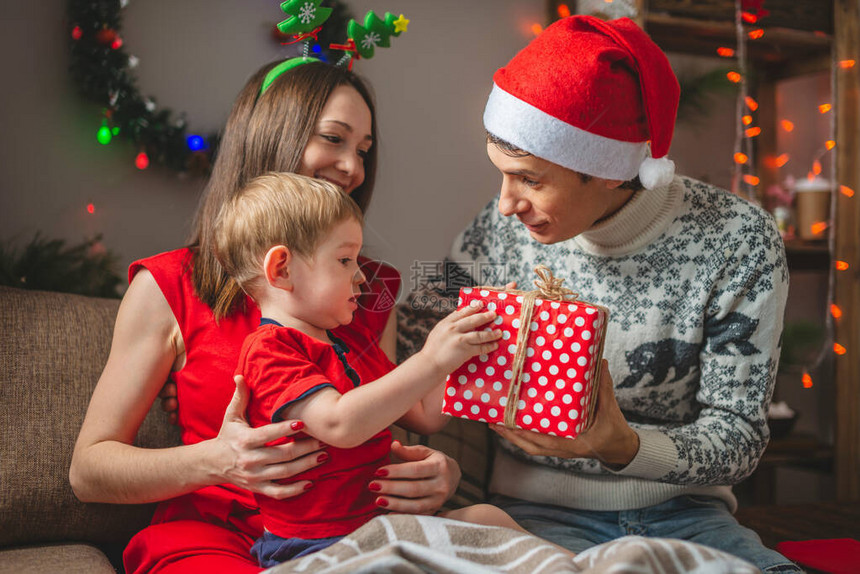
{"x": 306, "y": 18}
{"x": 375, "y": 32}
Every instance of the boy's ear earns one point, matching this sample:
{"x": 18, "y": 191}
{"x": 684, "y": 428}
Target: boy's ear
{"x": 613, "y": 183}
{"x": 276, "y": 267}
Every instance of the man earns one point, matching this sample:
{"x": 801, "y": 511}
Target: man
{"x": 579, "y": 124}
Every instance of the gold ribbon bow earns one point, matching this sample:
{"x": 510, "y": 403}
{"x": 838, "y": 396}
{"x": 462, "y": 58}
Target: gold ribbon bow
{"x": 549, "y": 288}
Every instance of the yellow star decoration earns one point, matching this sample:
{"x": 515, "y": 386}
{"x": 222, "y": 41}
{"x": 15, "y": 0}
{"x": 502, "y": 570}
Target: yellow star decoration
{"x": 400, "y": 24}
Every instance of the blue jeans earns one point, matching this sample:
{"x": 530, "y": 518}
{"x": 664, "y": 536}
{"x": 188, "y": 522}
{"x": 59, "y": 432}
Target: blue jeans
{"x": 702, "y": 520}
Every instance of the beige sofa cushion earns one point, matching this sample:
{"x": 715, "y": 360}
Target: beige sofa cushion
{"x": 66, "y": 558}
{"x": 52, "y": 350}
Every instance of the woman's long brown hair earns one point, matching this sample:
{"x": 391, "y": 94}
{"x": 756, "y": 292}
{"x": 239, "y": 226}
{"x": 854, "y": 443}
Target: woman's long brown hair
{"x": 266, "y": 133}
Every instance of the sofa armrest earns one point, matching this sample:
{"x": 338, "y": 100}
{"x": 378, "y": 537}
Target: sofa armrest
{"x": 53, "y": 347}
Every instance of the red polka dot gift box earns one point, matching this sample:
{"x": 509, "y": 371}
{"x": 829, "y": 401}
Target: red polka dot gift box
{"x": 543, "y": 377}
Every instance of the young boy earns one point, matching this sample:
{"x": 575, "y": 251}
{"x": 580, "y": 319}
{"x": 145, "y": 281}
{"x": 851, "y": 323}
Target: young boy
{"x": 291, "y": 242}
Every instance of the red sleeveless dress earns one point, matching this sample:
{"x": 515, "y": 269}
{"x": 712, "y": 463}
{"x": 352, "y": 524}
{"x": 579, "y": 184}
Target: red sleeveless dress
{"x": 211, "y": 530}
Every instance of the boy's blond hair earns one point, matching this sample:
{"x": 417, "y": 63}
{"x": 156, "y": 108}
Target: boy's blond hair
{"x": 275, "y": 209}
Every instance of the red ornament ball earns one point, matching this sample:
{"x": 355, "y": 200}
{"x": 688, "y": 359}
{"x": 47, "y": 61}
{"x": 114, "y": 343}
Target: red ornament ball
{"x": 77, "y": 33}
{"x": 106, "y": 36}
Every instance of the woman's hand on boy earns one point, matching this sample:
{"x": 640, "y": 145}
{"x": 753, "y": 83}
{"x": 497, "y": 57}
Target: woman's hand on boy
{"x": 420, "y": 484}
{"x": 243, "y": 459}
{"x": 455, "y": 338}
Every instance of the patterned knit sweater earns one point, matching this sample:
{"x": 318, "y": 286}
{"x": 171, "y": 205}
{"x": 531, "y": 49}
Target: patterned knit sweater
{"x": 695, "y": 280}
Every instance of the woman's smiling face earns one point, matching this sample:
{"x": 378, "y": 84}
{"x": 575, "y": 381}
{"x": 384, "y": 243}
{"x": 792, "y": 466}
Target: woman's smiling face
{"x": 341, "y": 140}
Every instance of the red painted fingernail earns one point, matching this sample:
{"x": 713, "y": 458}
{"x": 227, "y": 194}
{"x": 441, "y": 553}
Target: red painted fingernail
{"x": 309, "y": 486}
{"x": 322, "y": 457}
{"x": 381, "y": 472}
{"x": 297, "y": 425}
{"x": 381, "y": 502}
{"x": 374, "y": 486}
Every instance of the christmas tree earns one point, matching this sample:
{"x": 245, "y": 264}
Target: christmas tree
{"x": 375, "y": 32}
{"x": 305, "y": 16}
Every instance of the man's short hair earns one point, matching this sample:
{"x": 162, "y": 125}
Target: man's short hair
{"x": 511, "y": 150}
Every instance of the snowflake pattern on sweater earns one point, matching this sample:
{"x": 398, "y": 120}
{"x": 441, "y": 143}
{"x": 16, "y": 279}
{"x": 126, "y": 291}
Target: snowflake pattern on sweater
{"x": 696, "y": 297}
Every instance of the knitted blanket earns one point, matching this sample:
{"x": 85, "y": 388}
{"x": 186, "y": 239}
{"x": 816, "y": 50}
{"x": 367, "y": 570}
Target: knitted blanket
{"x": 409, "y": 544}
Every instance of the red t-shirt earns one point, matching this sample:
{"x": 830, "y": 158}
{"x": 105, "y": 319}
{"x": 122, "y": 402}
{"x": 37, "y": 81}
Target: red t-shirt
{"x": 283, "y": 365}
{"x": 205, "y": 383}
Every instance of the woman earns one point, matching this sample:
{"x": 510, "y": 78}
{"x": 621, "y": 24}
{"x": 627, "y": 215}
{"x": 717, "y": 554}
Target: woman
{"x": 316, "y": 120}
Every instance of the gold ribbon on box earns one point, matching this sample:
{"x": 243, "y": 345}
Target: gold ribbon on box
{"x": 549, "y": 288}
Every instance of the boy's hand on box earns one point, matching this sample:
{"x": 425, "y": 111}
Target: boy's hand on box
{"x": 609, "y": 438}
{"x": 455, "y": 338}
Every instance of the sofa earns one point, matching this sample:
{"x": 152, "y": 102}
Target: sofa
{"x": 53, "y": 348}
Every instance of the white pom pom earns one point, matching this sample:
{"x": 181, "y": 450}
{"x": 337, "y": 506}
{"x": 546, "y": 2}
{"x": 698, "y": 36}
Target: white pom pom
{"x": 655, "y": 173}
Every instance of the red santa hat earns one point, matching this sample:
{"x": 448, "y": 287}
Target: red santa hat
{"x": 592, "y": 96}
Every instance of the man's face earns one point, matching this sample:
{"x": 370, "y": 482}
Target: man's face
{"x": 552, "y": 201}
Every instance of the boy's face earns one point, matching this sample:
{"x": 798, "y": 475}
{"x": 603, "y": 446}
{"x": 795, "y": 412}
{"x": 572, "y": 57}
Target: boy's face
{"x": 550, "y": 200}
{"x": 327, "y": 285}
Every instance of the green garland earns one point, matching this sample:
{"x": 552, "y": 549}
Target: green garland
{"x": 50, "y": 265}
{"x": 103, "y": 73}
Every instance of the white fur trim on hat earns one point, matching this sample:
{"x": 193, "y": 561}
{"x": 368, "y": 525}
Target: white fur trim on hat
{"x": 554, "y": 140}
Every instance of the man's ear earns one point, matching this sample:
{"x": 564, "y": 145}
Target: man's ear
{"x": 613, "y": 183}
{"x": 276, "y": 267}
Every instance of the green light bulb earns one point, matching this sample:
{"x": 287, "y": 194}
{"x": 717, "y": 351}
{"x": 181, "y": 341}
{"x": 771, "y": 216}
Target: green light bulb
{"x": 104, "y": 135}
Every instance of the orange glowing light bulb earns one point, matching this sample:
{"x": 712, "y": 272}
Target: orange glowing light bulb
{"x": 747, "y": 120}
{"x": 752, "y": 132}
{"x": 751, "y": 179}
{"x": 751, "y": 103}
{"x": 536, "y": 29}
{"x": 806, "y": 380}
{"x": 756, "y": 34}
{"x": 829, "y": 144}
{"x": 787, "y": 125}
{"x": 725, "y": 52}
{"x": 842, "y": 266}
{"x": 839, "y": 349}
{"x": 782, "y": 159}
{"x": 824, "y": 108}
{"x": 741, "y": 158}
{"x": 563, "y": 11}
{"x": 835, "y": 311}
{"x": 734, "y": 77}
{"x": 846, "y": 64}
{"x": 816, "y": 167}
{"x": 818, "y": 227}
{"x": 846, "y": 191}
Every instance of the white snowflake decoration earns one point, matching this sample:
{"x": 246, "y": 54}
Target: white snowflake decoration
{"x": 370, "y": 40}
{"x": 307, "y": 13}
{"x": 612, "y": 9}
